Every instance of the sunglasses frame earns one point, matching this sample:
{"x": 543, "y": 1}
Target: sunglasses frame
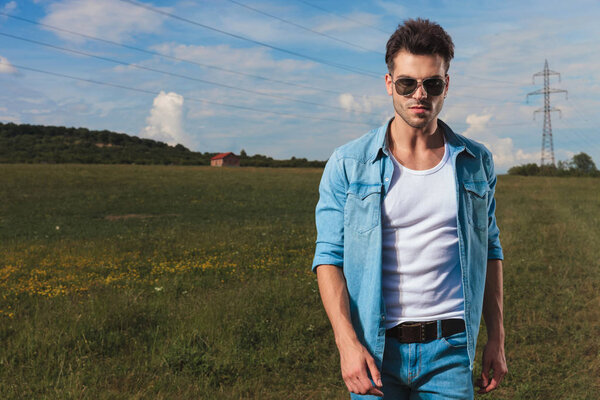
{"x": 421, "y": 83}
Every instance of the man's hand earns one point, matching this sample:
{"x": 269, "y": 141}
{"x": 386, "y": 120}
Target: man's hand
{"x": 494, "y": 360}
{"x": 357, "y": 363}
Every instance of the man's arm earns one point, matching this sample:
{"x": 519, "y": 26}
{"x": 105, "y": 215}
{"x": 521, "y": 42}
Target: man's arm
{"x": 355, "y": 360}
{"x": 493, "y": 353}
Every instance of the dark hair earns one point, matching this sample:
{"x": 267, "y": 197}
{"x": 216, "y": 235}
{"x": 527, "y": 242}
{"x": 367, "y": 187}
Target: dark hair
{"x": 421, "y": 37}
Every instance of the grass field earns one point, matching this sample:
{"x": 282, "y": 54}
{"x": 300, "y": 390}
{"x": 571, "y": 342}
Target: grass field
{"x": 189, "y": 282}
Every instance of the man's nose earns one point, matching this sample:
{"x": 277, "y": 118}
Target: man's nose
{"x": 420, "y": 92}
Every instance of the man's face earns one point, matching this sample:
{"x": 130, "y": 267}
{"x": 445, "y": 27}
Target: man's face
{"x": 419, "y": 109}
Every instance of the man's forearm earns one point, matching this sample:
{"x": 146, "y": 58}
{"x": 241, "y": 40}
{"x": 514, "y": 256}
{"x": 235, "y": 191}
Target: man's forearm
{"x": 493, "y": 309}
{"x": 493, "y": 353}
{"x": 334, "y": 294}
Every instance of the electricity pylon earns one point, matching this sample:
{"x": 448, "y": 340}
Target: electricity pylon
{"x": 547, "y": 144}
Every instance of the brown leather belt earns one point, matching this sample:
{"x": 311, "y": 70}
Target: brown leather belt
{"x": 420, "y": 332}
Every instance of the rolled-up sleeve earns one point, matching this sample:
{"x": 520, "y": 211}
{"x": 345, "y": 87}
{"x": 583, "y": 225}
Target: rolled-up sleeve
{"x": 329, "y": 216}
{"x": 494, "y": 247}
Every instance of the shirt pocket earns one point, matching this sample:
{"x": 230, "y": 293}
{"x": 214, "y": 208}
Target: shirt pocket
{"x": 363, "y": 207}
{"x": 476, "y": 200}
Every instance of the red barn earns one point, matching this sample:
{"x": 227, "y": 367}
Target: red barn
{"x": 225, "y": 160}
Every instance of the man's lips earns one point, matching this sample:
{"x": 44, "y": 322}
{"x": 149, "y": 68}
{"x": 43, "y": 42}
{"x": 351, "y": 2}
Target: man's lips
{"x": 418, "y": 108}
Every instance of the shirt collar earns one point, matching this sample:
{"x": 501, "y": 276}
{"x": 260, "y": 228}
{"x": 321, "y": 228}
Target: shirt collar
{"x": 455, "y": 143}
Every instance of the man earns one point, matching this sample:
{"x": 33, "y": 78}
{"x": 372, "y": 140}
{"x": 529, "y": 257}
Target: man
{"x": 408, "y": 256}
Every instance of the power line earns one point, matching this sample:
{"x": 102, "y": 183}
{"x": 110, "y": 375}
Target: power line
{"x": 176, "y": 75}
{"x": 452, "y": 96}
{"x": 584, "y": 139}
{"x": 246, "y": 108}
{"x": 583, "y": 129}
{"x": 214, "y": 67}
{"x": 510, "y": 124}
{"x": 159, "y": 54}
{"x": 578, "y": 108}
{"x": 356, "y": 70}
{"x": 487, "y": 79}
{"x": 304, "y": 27}
{"x": 341, "y": 16}
{"x": 492, "y": 125}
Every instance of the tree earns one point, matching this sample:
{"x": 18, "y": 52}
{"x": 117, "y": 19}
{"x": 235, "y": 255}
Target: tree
{"x": 181, "y": 147}
{"x": 531, "y": 169}
{"x": 583, "y": 163}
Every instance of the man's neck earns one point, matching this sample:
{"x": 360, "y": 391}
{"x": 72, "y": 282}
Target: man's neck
{"x": 405, "y": 138}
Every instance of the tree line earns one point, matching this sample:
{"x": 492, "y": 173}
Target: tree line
{"x": 580, "y": 165}
{"x": 24, "y": 143}
{"x": 259, "y": 160}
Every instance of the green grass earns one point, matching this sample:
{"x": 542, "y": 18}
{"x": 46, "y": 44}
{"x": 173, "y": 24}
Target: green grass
{"x": 191, "y": 282}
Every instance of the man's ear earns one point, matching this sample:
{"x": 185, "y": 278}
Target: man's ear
{"x": 389, "y": 84}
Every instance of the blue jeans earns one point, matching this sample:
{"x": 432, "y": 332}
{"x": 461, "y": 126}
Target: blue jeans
{"x": 438, "y": 370}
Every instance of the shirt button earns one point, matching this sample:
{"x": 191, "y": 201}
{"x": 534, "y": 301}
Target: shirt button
{"x": 383, "y": 317}
{"x": 387, "y": 179}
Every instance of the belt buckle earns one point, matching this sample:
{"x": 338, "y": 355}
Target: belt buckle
{"x": 421, "y": 326}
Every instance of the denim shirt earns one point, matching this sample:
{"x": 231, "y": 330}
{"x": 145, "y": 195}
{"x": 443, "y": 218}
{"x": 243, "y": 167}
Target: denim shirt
{"x": 348, "y": 217}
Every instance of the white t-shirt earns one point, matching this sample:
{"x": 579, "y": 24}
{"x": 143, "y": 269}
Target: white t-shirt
{"x": 421, "y": 267}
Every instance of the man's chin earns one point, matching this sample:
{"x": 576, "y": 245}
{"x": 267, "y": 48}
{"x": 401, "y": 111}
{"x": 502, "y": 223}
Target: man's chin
{"x": 419, "y": 123}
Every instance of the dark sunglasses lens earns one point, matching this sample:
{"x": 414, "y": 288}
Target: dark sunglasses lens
{"x": 434, "y": 87}
{"x": 405, "y": 86}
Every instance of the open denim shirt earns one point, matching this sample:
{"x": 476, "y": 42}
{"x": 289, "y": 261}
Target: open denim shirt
{"x": 348, "y": 217}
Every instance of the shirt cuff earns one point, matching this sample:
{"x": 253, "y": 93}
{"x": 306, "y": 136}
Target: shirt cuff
{"x": 328, "y": 253}
{"x": 495, "y": 254}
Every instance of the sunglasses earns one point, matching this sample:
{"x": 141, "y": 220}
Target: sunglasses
{"x": 431, "y": 86}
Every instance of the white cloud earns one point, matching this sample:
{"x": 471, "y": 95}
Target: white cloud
{"x": 239, "y": 20}
{"x": 31, "y": 100}
{"x": 8, "y": 116}
{"x": 165, "y": 120}
{"x": 379, "y": 107}
{"x": 35, "y": 111}
{"x": 6, "y": 67}
{"x": 243, "y": 59}
{"x": 503, "y": 149}
{"x": 10, "y": 7}
{"x": 110, "y": 19}
{"x": 350, "y": 103}
{"x": 347, "y": 101}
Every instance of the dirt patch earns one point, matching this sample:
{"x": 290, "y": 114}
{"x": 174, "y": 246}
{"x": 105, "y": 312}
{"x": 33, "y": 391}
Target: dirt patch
{"x": 138, "y": 216}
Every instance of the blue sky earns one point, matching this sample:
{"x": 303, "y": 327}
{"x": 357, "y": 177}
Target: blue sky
{"x": 176, "y": 80}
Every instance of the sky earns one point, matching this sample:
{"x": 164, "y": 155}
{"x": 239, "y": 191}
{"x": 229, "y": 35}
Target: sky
{"x": 297, "y": 77}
